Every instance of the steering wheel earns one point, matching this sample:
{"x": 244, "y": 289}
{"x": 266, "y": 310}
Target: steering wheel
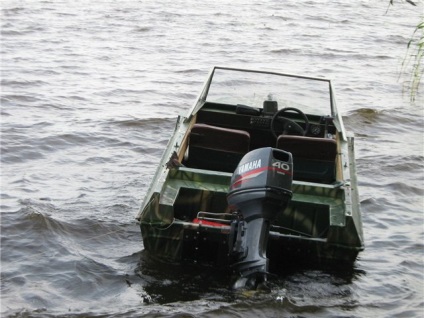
{"x": 289, "y": 126}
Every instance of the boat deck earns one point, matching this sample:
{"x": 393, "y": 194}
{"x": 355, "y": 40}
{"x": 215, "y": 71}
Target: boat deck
{"x": 189, "y": 191}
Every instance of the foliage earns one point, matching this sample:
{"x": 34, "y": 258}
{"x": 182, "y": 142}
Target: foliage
{"x": 409, "y": 1}
{"x": 418, "y": 67}
{"x": 417, "y": 43}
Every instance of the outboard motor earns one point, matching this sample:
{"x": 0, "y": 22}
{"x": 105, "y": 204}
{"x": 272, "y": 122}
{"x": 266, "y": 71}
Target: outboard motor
{"x": 260, "y": 189}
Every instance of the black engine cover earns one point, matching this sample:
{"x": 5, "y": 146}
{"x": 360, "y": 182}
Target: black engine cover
{"x": 260, "y": 189}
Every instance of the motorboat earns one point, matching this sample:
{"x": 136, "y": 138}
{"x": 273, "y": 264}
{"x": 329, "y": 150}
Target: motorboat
{"x": 260, "y": 173}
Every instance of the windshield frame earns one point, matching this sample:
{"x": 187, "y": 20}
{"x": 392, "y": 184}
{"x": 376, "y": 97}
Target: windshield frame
{"x": 208, "y": 92}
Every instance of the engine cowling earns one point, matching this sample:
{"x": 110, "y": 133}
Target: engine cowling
{"x": 260, "y": 189}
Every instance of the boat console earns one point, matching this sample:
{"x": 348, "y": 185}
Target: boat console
{"x": 257, "y": 121}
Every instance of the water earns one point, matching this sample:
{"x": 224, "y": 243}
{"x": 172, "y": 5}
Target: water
{"x": 90, "y": 94}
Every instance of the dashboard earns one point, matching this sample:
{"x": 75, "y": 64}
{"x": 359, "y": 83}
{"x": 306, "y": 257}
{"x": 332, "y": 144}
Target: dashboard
{"x": 258, "y": 122}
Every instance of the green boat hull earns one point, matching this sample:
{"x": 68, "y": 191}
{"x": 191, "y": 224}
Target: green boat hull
{"x": 185, "y": 216}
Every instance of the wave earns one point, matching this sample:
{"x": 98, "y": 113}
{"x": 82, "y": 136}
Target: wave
{"x": 49, "y": 258}
{"x": 21, "y": 84}
{"x": 142, "y": 29}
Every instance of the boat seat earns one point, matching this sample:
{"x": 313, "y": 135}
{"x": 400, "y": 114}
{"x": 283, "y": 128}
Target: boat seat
{"x": 216, "y": 148}
{"x": 314, "y": 159}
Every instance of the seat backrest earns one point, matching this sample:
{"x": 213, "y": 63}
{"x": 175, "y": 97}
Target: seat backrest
{"x": 314, "y": 159}
{"x": 216, "y": 148}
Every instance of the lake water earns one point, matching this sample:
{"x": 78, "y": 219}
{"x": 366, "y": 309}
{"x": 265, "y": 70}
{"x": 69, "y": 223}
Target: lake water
{"x": 90, "y": 95}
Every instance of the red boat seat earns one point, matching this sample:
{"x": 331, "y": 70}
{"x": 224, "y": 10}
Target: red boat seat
{"x": 314, "y": 159}
{"x": 216, "y": 148}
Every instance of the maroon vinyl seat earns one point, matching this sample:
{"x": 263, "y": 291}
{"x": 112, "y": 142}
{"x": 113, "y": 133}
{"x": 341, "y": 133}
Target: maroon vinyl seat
{"x": 216, "y": 148}
{"x": 314, "y": 159}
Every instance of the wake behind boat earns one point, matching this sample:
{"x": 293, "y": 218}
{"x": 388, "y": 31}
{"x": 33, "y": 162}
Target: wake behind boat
{"x": 260, "y": 173}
